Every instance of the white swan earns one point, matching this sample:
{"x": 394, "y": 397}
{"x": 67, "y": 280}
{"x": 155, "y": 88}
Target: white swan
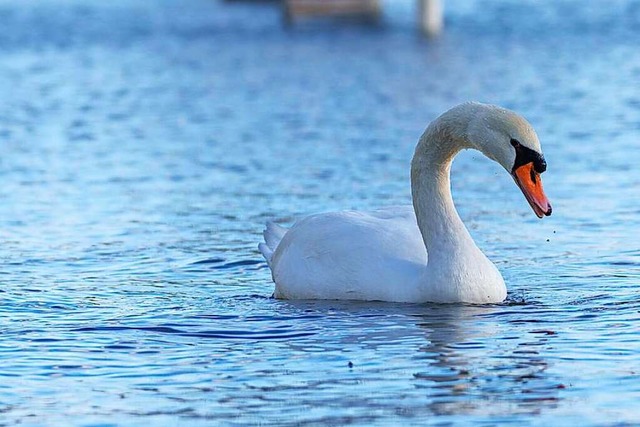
{"x": 382, "y": 255}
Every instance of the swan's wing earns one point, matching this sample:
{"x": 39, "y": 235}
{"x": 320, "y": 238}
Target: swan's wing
{"x": 375, "y": 255}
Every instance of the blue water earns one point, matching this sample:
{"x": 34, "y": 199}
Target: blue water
{"x": 144, "y": 145}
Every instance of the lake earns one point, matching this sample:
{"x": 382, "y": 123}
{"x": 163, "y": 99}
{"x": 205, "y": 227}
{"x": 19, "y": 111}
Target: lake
{"x": 145, "y": 144}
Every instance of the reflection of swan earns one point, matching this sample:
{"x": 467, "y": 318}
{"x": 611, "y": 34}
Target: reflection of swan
{"x": 381, "y": 255}
{"x": 429, "y": 329}
{"x": 427, "y": 359}
{"x": 468, "y": 366}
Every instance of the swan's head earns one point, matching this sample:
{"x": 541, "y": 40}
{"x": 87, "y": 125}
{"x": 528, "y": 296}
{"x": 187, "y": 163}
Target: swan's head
{"x": 510, "y": 140}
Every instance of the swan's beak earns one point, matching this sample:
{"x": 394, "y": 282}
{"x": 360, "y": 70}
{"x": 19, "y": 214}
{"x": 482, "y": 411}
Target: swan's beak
{"x": 531, "y": 185}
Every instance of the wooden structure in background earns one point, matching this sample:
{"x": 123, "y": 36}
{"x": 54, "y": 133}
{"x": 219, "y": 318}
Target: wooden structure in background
{"x": 309, "y": 8}
{"x": 430, "y": 12}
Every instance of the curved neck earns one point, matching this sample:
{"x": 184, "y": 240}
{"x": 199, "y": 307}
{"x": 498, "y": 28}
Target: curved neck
{"x": 440, "y": 225}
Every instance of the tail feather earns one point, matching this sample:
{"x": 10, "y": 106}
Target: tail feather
{"x": 273, "y": 234}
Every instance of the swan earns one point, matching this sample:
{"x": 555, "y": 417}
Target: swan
{"x": 413, "y": 254}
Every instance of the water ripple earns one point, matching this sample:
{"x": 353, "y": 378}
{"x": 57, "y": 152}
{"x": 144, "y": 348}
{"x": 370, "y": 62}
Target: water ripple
{"x": 145, "y": 144}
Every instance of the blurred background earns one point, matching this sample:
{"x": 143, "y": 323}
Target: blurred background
{"x": 144, "y": 144}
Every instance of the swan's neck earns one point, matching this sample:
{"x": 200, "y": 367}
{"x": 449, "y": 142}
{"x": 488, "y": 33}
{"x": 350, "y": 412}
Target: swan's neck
{"x": 442, "y": 230}
{"x": 456, "y": 269}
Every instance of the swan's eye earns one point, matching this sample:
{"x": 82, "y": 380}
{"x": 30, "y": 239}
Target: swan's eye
{"x": 526, "y": 155}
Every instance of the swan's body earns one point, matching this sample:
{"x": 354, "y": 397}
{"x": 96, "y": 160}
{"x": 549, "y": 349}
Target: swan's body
{"x": 382, "y": 255}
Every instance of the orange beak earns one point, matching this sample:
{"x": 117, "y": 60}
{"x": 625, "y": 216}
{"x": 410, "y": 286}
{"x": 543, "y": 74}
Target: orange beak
{"x": 531, "y": 185}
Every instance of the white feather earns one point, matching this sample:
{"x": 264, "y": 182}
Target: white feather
{"x": 273, "y": 234}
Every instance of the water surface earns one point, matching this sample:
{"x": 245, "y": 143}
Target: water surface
{"x": 145, "y": 144}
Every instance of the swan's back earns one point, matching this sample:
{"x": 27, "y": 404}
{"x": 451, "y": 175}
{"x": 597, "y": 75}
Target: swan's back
{"x": 354, "y": 255}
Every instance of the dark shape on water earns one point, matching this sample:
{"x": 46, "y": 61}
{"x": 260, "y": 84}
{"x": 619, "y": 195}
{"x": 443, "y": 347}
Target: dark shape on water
{"x": 238, "y": 264}
{"x": 208, "y": 261}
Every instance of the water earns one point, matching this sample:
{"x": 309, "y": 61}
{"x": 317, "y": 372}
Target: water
{"x": 145, "y": 144}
